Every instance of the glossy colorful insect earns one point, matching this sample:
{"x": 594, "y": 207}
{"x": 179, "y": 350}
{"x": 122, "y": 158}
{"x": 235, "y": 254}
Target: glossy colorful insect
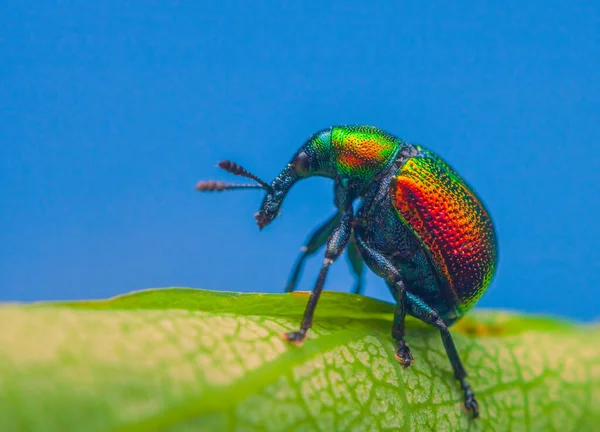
{"x": 419, "y": 226}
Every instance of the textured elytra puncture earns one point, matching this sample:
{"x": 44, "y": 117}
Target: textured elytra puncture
{"x": 451, "y": 222}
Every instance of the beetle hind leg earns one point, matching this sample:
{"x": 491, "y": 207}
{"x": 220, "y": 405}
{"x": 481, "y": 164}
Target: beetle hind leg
{"x": 419, "y": 309}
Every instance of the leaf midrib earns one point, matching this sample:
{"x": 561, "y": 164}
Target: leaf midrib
{"x": 239, "y": 390}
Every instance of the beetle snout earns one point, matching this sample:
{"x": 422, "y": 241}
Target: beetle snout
{"x": 264, "y": 218}
{"x": 269, "y": 208}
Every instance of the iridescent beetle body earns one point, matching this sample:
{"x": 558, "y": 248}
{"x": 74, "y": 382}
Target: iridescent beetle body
{"x": 419, "y": 226}
{"x": 446, "y": 221}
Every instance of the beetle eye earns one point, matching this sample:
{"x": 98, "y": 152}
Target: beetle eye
{"x": 301, "y": 164}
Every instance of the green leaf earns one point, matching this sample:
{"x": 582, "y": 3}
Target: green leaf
{"x": 192, "y": 360}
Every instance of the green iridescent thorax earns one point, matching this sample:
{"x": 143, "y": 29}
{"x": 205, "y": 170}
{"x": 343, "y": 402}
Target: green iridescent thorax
{"x": 361, "y": 152}
{"x": 357, "y": 153}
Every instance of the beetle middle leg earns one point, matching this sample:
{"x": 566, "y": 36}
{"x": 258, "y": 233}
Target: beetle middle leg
{"x": 358, "y": 265}
{"x": 336, "y": 243}
{"x": 403, "y": 354}
{"x": 419, "y": 309}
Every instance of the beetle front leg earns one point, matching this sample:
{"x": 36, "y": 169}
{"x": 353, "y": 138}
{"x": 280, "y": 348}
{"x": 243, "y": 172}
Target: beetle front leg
{"x": 335, "y": 246}
{"x": 317, "y": 239}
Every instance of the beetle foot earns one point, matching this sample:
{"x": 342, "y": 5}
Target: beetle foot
{"x": 471, "y": 402}
{"x": 296, "y": 337}
{"x": 403, "y": 355}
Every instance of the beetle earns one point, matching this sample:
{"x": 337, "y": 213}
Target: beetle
{"x": 419, "y": 226}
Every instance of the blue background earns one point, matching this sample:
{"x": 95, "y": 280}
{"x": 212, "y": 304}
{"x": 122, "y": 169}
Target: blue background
{"x": 111, "y": 111}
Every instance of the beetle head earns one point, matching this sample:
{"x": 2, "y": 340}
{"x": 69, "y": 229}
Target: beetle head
{"x": 311, "y": 159}
{"x": 269, "y": 209}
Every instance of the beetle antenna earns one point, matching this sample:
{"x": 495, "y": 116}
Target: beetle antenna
{"x": 219, "y": 186}
{"x": 235, "y": 169}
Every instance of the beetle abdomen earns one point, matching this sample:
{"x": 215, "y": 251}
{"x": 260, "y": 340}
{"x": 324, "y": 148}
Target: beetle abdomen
{"x": 451, "y": 222}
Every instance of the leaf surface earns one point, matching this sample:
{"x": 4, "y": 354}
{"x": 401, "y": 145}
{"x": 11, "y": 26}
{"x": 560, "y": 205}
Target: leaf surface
{"x": 192, "y": 360}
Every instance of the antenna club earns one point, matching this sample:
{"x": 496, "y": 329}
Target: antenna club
{"x": 235, "y": 169}
{"x": 210, "y": 185}
{"x": 232, "y": 167}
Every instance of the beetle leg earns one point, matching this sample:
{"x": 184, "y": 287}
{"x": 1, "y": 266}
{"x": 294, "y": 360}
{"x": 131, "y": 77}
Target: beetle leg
{"x": 335, "y": 246}
{"x": 357, "y": 264}
{"x": 408, "y": 302}
{"x": 419, "y": 309}
{"x": 403, "y": 354}
{"x": 383, "y": 267}
{"x": 317, "y": 239}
